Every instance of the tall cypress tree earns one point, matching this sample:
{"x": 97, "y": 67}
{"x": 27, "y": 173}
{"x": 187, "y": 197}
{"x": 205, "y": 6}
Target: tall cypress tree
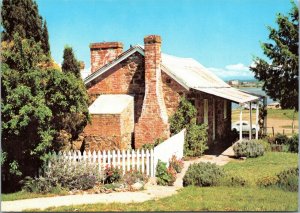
{"x": 22, "y": 17}
{"x": 70, "y": 64}
{"x": 45, "y": 39}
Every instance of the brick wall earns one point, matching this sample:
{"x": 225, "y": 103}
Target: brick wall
{"x": 127, "y": 77}
{"x": 153, "y": 122}
{"x": 104, "y": 52}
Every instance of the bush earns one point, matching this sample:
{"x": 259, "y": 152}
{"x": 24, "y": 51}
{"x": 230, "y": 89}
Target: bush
{"x": 165, "y": 176}
{"x": 281, "y": 139}
{"x": 132, "y": 176}
{"x": 248, "y": 148}
{"x": 288, "y": 179}
{"x": 112, "y": 174}
{"x": 233, "y": 181}
{"x": 65, "y": 175}
{"x": 196, "y": 140}
{"x": 203, "y": 174}
{"x": 265, "y": 143}
{"x": 293, "y": 143}
{"x": 267, "y": 181}
{"x": 177, "y": 164}
{"x": 152, "y": 145}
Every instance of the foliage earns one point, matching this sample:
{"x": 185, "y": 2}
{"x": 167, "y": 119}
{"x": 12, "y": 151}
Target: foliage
{"x": 165, "y": 176}
{"x": 63, "y": 174}
{"x": 183, "y": 117}
{"x": 203, "y": 174}
{"x": 70, "y": 64}
{"x": 267, "y": 181}
{"x": 293, "y": 143}
{"x": 265, "y": 143}
{"x": 112, "y": 174}
{"x": 152, "y": 145}
{"x": 23, "y": 17}
{"x": 132, "y": 176}
{"x": 281, "y": 139}
{"x": 196, "y": 137}
{"x": 283, "y": 53}
{"x": 288, "y": 179}
{"x": 229, "y": 180}
{"x": 248, "y": 148}
{"x": 196, "y": 140}
{"x": 177, "y": 164}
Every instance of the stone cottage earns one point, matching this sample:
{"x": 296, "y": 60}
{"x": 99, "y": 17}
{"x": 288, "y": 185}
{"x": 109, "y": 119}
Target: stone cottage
{"x": 134, "y": 92}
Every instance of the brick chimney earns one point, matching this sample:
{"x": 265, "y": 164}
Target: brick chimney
{"x": 153, "y": 122}
{"x": 103, "y": 53}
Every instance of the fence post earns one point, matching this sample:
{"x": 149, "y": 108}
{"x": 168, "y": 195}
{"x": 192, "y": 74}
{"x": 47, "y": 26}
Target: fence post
{"x": 152, "y": 162}
{"x": 99, "y": 161}
{"x": 84, "y": 156}
{"x": 143, "y": 161}
{"x": 123, "y": 160}
{"x": 128, "y": 160}
{"x": 104, "y": 158}
{"x": 119, "y": 162}
{"x": 79, "y": 155}
{"x": 132, "y": 160}
{"x": 147, "y": 162}
{"x": 138, "y": 160}
{"x": 108, "y": 157}
{"x": 114, "y": 158}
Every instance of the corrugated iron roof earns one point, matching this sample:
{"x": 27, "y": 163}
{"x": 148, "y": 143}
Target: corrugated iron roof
{"x": 189, "y": 73}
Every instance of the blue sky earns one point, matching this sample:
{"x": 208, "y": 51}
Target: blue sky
{"x": 223, "y": 35}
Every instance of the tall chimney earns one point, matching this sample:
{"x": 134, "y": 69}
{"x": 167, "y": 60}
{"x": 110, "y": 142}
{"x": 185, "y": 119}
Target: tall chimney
{"x": 153, "y": 122}
{"x": 103, "y": 53}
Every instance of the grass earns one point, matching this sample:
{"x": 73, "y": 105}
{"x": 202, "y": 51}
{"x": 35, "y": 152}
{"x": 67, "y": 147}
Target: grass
{"x": 280, "y": 114}
{"x": 268, "y": 165}
{"x": 205, "y": 199}
{"x": 221, "y": 198}
{"x": 27, "y": 195}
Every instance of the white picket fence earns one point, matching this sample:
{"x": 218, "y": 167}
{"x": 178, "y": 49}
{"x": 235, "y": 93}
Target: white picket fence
{"x": 142, "y": 160}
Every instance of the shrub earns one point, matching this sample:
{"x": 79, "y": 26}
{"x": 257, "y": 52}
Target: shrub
{"x": 112, "y": 174}
{"x": 248, "y": 148}
{"x": 65, "y": 175}
{"x": 165, "y": 176}
{"x": 265, "y": 143}
{"x": 177, "y": 164}
{"x": 132, "y": 176}
{"x": 288, "y": 179}
{"x": 196, "y": 140}
{"x": 281, "y": 139}
{"x": 267, "y": 181}
{"x": 233, "y": 181}
{"x": 152, "y": 145}
{"x": 203, "y": 174}
{"x": 293, "y": 143}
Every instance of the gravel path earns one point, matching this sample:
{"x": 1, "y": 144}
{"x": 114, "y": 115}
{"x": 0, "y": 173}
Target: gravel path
{"x": 151, "y": 192}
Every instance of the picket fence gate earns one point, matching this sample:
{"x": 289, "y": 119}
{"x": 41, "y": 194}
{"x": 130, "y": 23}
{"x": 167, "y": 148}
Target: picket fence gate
{"x": 140, "y": 160}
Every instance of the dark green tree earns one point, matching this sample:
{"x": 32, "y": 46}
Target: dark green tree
{"x": 45, "y": 39}
{"x": 70, "y": 64}
{"x": 22, "y": 17}
{"x": 36, "y": 104}
{"x": 280, "y": 76}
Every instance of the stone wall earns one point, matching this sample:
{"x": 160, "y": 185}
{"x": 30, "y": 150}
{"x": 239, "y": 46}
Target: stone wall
{"x": 127, "y": 77}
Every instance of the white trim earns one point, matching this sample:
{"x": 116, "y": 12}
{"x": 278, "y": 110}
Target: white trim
{"x": 257, "y": 113}
{"x": 250, "y": 129}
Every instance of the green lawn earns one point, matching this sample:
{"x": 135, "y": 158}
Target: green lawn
{"x": 267, "y": 165}
{"x": 26, "y": 195}
{"x": 250, "y": 198}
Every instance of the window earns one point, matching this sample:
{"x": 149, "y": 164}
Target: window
{"x": 225, "y": 109}
{"x": 205, "y": 111}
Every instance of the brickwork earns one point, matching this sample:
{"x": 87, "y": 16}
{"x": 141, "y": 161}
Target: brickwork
{"x": 110, "y": 131}
{"x": 103, "y": 53}
{"x": 127, "y": 77}
{"x": 153, "y": 121}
